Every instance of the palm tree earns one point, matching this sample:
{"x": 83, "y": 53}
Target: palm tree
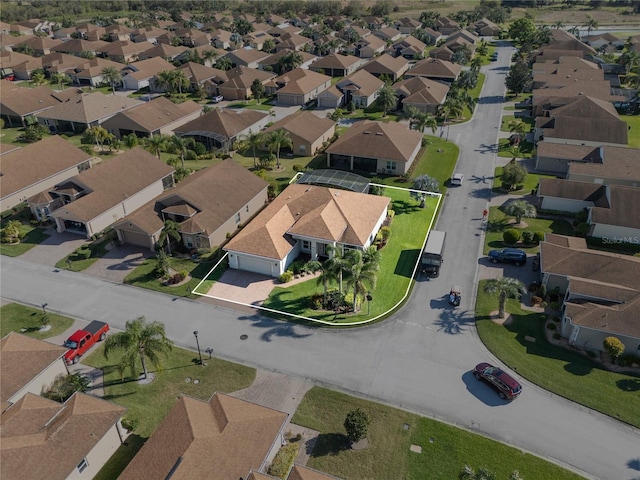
{"x": 59, "y": 78}
{"x": 209, "y": 57}
{"x": 170, "y": 231}
{"x": 558, "y": 24}
{"x": 591, "y": 24}
{"x": 519, "y": 209}
{"x": 179, "y": 80}
{"x": 423, "y": 120}
{"x": 181, "y": 146}
{"x": 113, "y": 76}
{"x": 277, "y": 139}
{"x": 253, "y": 140}
{"x": 38, "y": 77}
{"x": 164, "y": 80}
{"x": 336, "y": 264}
{"x": 224, "y": 63}
{"x": 139, "y": 339}
{"x": 361, "y": 274}
{"x": 519, "y": 128}
{"x": 324, "y": 278}
{"x": 482, "y": 474}
{"x": 504, "y": 287}
{"x": 156, "y": 144}
{"x": 386, "y": 99}
{"x": 131, "y": 140}
{"x": 97, "y": 134}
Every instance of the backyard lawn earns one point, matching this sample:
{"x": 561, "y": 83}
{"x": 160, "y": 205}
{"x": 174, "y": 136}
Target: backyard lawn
{"x": 561, "y": 371}
{"x": 530, "y": 183}
{"x": 15, "y": 317}
{"x": 505, "y": 150}
{"x": 397, "y": 261}
{"x": 528, "y": 122}
{"x": 149, "y": 404}
{"x": 445, "y": 449}
{"x": 499, "y": 222}
{"x": 633, "y": 122}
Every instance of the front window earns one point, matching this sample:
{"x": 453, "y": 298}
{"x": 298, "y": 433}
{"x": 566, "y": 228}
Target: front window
{"x": 306, "y": 245}
{"x": 391, "y": 166}
{"x": 238, "y": 217}
{"x": 302, "y": 149}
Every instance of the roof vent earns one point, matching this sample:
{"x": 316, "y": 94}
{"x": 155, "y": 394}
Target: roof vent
{"x": 379, "y": 133}
{"x": 366, "y": 132}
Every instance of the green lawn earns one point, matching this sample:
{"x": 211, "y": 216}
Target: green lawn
{"x": 75, "y": 263}
{"x": 32, "y": 237}
{"x": 445, "y": 449}
{"x": 121, "y": 458}
{"x": 398, "y": 258}
{"x": 530, "y": 183}
{"x": 556, "y": 369}
{"x": 149, "y": 404}
{"x": 15, "y": 317}
{"x": 438, "y": 161}
{"x": 527, "y": 149}
{"x": 142, "y": 276}
{"x": 633, "y": 121}
{"x": 498, "y": 223}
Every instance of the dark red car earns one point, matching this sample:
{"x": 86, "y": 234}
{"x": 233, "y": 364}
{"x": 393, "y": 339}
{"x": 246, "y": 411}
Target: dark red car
{"x": 507, "y": 387}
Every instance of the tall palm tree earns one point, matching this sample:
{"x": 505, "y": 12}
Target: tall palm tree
{"x": 113, "y": 76}
{"x": 337, "y": 264}
{"x": 423, "y": 120}
{"x": 591, "y": 24}
{"x": 156, "y": 144}
{"x": 325, "y": 277}
{"x": 170, "y": 231}
{"x": 209, "y": 57}
{"x": 180, "y": 145}
{"x": 361, "y": 274}
{"x": 224, "y": 63}
{"x": 179, "y": 80}
{"x": 59, "y": 79}
{"x": 253, "y": 140}
{"x": 164, "y": 80}
{"x": 139, "y": 339}
{"x": 277, "y": 139}
{"x": 519, "y": 128}
{"x": 504, "y": 287}
{"x": 558, "y": 25}
{"x": 386, "y": 99}
{"x": 519, "y": 209}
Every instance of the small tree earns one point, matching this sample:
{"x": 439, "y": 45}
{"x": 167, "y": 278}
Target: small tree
{"x": 511, "y": 236}
{"x": 357, "y": 425}
{"x": 519, "y": 209}
{"x": 504, "y": 287}
{"x": 424, "y": 183}
{"x": 513, "y": 175}
{"x": 613, "y": 346}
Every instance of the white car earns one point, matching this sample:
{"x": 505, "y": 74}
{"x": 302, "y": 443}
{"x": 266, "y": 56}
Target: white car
{"x": 217, "y": 99}
{"x": 457, "y": 179}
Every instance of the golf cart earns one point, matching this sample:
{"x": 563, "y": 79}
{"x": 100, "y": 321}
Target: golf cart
{"x": 455, "y": 295}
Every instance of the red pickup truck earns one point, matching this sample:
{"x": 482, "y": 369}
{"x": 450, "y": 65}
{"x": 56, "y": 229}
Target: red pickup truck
{"x": 82, "y": 340}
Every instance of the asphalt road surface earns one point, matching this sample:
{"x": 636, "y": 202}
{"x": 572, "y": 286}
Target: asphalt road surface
{"x": 419, "y": 360}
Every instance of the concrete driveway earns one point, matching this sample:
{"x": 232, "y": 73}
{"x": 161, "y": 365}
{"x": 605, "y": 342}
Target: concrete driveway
{"x": 118, "y": 262}
{"x": 54, "y": 248}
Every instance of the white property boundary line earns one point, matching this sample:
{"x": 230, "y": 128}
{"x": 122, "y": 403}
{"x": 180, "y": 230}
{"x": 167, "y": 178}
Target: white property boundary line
{"x": 325, "y": 322}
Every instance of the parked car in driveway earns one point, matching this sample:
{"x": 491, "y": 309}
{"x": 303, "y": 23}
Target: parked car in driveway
{"x": 507, "y": 387}
{"x": 508, "y": 255}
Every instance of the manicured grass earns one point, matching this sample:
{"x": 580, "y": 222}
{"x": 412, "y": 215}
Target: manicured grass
{"x": 150, "y": 403}
{"x": 528, "y": 121}
{"x": 504, "y": 149}
{"x": 530, "y": 182}
{"x": 438, "y": 161}
{"x": 398, "y": 258}
{"x": 499, "y": 222}
{"x": 142, "y": 276}
{"x": 561, "y": 371}
{"x": 633, "y": 121}
{"x": 75, "y": 263}
{"x": 445, "y": 449}
{"x": 14, "y": 317}
{"x": 119, "y": 460}
{"x": 32, "y": 237}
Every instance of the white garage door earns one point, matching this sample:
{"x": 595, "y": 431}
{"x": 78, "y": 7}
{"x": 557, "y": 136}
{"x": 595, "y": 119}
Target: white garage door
{"x": 135, "y": 238}
{"x": 255, "y": 265}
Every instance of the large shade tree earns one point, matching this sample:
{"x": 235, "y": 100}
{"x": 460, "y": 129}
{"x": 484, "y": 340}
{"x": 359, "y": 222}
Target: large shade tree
{"x": 503, "y": 288}
{"x": 140, "y": 340}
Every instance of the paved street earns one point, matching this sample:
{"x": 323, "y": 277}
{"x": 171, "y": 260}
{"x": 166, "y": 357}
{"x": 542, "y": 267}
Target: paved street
{"x": 419, "y": 360}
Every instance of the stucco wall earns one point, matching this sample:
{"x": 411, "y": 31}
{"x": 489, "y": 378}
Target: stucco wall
{"x": 43, "y": 185}
{"x": 564, "y": 204}
{"x": 98, "y": 456}
{"x": 43, "y": 380}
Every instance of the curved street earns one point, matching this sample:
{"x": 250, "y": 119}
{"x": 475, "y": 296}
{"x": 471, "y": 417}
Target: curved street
{"x": 419, "y": 360}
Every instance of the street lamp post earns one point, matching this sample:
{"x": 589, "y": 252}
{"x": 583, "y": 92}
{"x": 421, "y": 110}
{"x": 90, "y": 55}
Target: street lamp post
{"x": 44, "y": 306}
{"x": 195, "y": 333}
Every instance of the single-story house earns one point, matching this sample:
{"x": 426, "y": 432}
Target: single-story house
{"x": 308, "y": 132}
{"x": 24, "y": 174}
{"x": 407, "y": 25}
{"x": 168, "y": 52}
{"x": 93, "y": 200}
{"x": 330, "y": 98}
{"x": 599, "y": 291}
{"x": 238, "y": 87}
{"x": 545, "y": 100}
{"x": 360, "y": 87}
{"x": 247, "y": 57}
{"x": 435, "y": 69}
{"x": 256, "y": 39}
{"x": 567, "y": 196}
{"x": 147, "y": 34}
{"x": 442, "y": 52}
{"x": 76, "y": 47}
{"x": 387, "y": 34}
{"x": 51, "y": 63}
{"x": 122, "y": 52}
{"x": 9, "y": 59}
{"x": 28, "y": 365}
{"x": 291, "y": 41}
{"x": 605, "y": 40}
{"x": 336, "y": 65}
{"x": 44, "y": 439}
{"x": 423, "y": 94}
{"x": 486, "y": 28}
{"x": 605, "y": 164}
{"x": 220, "y": 439}
{"x": 447, "y": 26}
{"x": 141, "y": 74}
{"x": 409, "y": 47}
{"x": 38, "y": 45}
{"x": 220, "y": 128}
{"x": 298, "y": 86}
{"x": 585, "y": 121}
{"x": 85, "y": 111}
{"x": 209, "y": 205}
{"x": 375, "y": 147}
{"x": 18, "y": 104}
{"x": 157, "y": 117}
{"x": 271, "y": 63}
{"x": 391, "y": 67}
{"x": 91, "y": 72}
{"x": 367, "y": 47}
{"x": 306, "y": 219}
